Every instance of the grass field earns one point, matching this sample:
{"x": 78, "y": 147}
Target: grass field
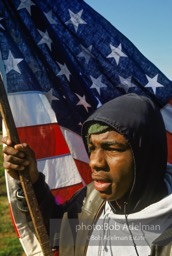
{"x": 9, "y": 243}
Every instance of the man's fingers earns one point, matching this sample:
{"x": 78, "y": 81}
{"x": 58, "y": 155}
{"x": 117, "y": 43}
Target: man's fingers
{"x": 10, "y": 167}
{"x": 18, "y": 159}
{"x": 14, "y": 151}
{"x": 10, "y": 159}
{"x": 6, "y": 140}
{"x": 22, "y": 146}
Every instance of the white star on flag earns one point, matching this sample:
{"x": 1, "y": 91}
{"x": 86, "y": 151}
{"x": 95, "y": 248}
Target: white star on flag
{"x": 82, "y": 101}
{"x": 86, "y": 53}
{"x": 153, "y": 83}
{"x": 50, "y": 18}
{"x": 97, "y": 83}
{"x": 12, "y": 63}
{"x": 64, "y": 71}
{"x": 126, "y": 83}
{"x": 45, "y": 39}
{"x": 75, "y": 19}
{"x": 50, "y": 96}
{"x": 116, "y": 53}
{"x": 26, "y": 4}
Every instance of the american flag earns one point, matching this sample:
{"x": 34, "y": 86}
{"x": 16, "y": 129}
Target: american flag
{"x": 60, "y": 61}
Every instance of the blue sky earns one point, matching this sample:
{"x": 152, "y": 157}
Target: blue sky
{"x": 148, "y": 24}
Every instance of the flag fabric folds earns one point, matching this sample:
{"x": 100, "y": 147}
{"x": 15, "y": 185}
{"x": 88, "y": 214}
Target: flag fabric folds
{"x": 60, "y": 61}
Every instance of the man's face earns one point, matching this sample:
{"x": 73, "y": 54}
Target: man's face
{"x": 112, "y": 164}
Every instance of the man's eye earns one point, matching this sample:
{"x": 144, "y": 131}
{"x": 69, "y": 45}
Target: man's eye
{"x": 113, "y": 149}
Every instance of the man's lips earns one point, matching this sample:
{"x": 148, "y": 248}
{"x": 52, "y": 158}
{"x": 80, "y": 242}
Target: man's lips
{"x": 101, "y": 183}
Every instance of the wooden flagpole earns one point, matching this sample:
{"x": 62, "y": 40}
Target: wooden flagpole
{"x": 27, "y": 187}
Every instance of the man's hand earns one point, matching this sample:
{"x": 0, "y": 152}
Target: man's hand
{"x": 18, "y": 159}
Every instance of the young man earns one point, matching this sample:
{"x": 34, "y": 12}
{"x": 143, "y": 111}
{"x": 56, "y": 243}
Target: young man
{"x": 127, "y": 209}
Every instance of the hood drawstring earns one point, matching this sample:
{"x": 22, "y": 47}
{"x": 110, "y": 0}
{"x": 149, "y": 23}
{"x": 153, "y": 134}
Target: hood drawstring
{"x": 126, "y": 219}
{"x": 103, "y": 248}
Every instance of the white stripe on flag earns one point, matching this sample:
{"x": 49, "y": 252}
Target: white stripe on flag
{"x": 76, "y": 145}
{"x": 31, "y": 109}
{"x": 26, "y": 234}
{"x": 60, "y": 172}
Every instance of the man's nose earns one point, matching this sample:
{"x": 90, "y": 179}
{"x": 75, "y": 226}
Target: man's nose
{"x": 97, "y": 160}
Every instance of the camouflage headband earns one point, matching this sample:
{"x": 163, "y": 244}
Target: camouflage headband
{"x": 97, "y": 128}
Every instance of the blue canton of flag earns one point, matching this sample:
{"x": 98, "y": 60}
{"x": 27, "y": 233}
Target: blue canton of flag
{"x": 68, "y": 51}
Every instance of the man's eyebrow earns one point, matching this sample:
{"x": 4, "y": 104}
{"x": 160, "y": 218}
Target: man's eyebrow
{"x": 115, "y": 143}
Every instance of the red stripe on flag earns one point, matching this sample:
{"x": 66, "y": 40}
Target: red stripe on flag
{"x": 169, "y": 143}
{"x": 13, "y": 221}
{"x": 84, "y": 171}
{"x": 63, "y": 194}
{"x": 46, "y": 140}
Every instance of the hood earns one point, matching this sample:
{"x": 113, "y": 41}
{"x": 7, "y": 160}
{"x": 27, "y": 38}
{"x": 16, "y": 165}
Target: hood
{"x": 139, "y": 120}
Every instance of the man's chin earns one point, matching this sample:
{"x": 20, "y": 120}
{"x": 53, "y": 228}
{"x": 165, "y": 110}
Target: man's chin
{"x": 107, "y": 196}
